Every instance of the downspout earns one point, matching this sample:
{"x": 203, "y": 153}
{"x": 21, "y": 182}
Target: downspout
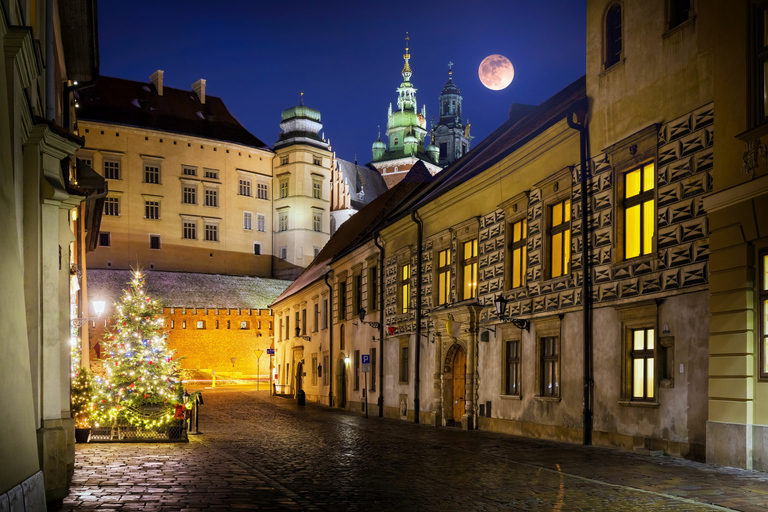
{"x": 330, "y": 331}
{"x": 586, "y": 292}
{"x": 381, "y": 323}
{"x": 50, "y": 87}
{"x": 419, "y": 256}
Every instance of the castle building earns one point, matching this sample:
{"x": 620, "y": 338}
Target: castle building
{"x": 301, "y": 191}
{"x": 406, "y": 130}
{"x": 450, "y": 135}
{"x": 352, "y": 187}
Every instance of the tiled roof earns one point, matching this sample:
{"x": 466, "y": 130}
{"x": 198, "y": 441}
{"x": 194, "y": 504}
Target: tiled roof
{"x": 183, "y": 289}
{"x": 360, "y": 177}
{"x": 137, "y": 104}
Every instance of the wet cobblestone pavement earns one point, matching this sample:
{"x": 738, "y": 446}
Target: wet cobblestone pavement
{"x": 265, "y": 453}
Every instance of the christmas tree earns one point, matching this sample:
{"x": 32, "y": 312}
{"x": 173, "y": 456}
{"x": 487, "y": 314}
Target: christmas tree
{"x": 141, "y": 371}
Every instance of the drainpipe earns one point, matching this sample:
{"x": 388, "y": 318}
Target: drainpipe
{"x": 50, "y": 77}
{"x": 330, "y": 332}
{"x": 580, "y": 112}
{"x": 420, "y": 255}
{"x": 381, "y": 323}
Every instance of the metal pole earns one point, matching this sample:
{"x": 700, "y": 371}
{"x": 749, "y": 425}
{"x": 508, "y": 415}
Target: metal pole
{"x": 365, "y": 392}
{"x": 258, "y": 371}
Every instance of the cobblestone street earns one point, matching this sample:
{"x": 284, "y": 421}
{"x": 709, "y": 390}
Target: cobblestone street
{"x": 265, "y": 453}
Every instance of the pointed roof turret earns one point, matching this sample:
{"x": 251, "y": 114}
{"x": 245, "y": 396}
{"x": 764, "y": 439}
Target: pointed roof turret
{"x": 407, "y": 67}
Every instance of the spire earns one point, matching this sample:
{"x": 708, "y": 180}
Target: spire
{"x": 450, "y": 70}
{"x": 301, "y": 98}
{"x": 407, "y": 67}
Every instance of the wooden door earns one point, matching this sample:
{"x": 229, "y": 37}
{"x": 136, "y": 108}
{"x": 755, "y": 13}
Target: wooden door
{"x": 459, "y": 376}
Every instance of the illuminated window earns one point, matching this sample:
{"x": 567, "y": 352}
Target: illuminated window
{"x": 469, "y": 269}
{"x": 550, "y": 366}
{"x": 639, "y": 211}
{"x": 643, "y": 375}
{"x": 517, "y": 249}
{"x": 152, "y": 210}
{"x": 560, "y": 238}
{"x": 512, "y": 370}
{"x": 613, "y": 38}
{"x": 405, "y": 287}
{"x": 764, "y": 315}
{"x": 443, "y": 277}
{"x": 248, "y": 221}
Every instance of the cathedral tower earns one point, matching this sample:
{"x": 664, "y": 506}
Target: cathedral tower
{"x": 450, "y": 136}
{"x": 406, "y": 130}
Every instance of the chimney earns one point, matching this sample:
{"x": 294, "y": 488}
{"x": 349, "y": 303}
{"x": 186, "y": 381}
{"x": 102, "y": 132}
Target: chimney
{"x": 199, "y": 88}
{"x": 157, "y": 79}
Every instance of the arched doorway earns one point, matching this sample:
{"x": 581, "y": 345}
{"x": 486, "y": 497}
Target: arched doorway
{"x": 459, "y": 383}
{"x": 341, "y": 381}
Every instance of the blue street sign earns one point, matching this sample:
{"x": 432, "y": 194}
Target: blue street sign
{"x": 271, "y": 351}
{"x": 366, "y": 359}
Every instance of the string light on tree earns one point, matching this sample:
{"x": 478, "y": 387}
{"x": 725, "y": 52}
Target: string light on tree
{"x": 141, "y": 370}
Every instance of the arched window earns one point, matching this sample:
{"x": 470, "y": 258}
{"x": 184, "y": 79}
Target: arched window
{"x": 613, "y": 42}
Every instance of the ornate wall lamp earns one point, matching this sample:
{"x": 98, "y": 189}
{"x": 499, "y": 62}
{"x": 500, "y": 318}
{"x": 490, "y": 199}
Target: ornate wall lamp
{"x": 501, "y": 306}
{"x": 98, "y": 307}
{"x": 302, "y": 336}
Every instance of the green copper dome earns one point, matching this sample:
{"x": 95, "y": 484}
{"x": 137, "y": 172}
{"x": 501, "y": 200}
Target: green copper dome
{"x": 300, "y": 111}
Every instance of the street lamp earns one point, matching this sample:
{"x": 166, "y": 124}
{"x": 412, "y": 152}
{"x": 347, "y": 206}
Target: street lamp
{"x": 361, "y": 316}
{"x": 98, "y": 307}
{"x": 501, "y": 305}
{"x": 302, "y": 336}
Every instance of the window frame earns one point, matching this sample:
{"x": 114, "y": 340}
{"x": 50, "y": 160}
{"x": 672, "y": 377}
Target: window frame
{"x": 549, "y": 361}
{"x": 508, "y": 362}
{"x": 762, "y": 294}
{"x": 643, "y": 354}
{"x": 641, "y": 199}
{"x": 283, "y": 189}
{"x": 342, "y": 298}
{"x": 470, "y": 263}
{"x": 107, "y": 236}
{"x": 519, "y": 244}
{"x": 247, "y": 220}
{"x": 152, "y": 172}
{"x": 257, "y": 248}
{"x": 317, "y": 189}
{"x": 152, "y": 238}
{"x": 443, "y": 276}
{"x": 188, "y": 193}
{"x": 613, "y": 53}
{"x": 115, "y": 168}
{"x": 211, "y": 197}
{"x": 563, "y": 228}
{"x": 404, "y": 362}
{"x": 282, "y": 221}
{"x": 211, "y": 232}
{"x": 187, "y": 227}
{"x": 372, "y": 285}
{"x": 111, "y": 206}
{"x": 317, "y": 222}
{"x": 244, "y": 187}
{"x": 152, "y": 209}
{"x": 404, "y": 287}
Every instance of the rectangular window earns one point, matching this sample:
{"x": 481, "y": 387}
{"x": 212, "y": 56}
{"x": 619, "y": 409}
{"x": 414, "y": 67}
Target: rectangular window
{"x": 317, "y": 221}
{"x": 154, "y": 241}
{"x": 679, "y": 12}
{"x": 261, "y": 190}
{"x": 284, "y": 160}
{"x": 211, "y": 197}
{"x": 317, "y": 190}
{"x": 212, "y": 233}
{"x": 212, "y": 174}
{"x": 325, "y": 365}
{"x": 304, "y": 322}
{"x": 244, "y": 325}
{"x": 288, "y": 326}
{"x": 152, "y": 173}
{"x": 373, "y": 369}
{"x": 256, "y": 249}
{"x": 404, "y": 364}
{"x": 104, "y": 239}
{"x": 550, "y": 371}
{"x": 112, "y": 206}
{"x": 763, "y": 316}
{"x": 152, "y": 210}
{"x": 357, "y": 369}
{"x": 443, "y": 277}
{"x": 283, "y": 189}
{"x": 316, "y": 323}
{"x": 261, "y": 222}
{"x": 342, "y": 300}
{"x": 317, "y": 160}
{"x": 642, "y": 355}
{"x": 325, "y": 314}
{"x": 512, "y": 370}
{"x": 760, "y": 63}
{"x": 373, "y": 289}
{"x": 248, "y": 221}
{"x": 189, "y": 194}
{"x": 112, "y": 169}
{"x": 469, "y": 268}
{"x": 639, "y": 211}
{"x": 245, "y": 187}
{"x": 517, "y": 249}
{"x": 314, "y": 369}
{"x": 188, "y": 170}
{"x": 358, "y": 281}
{"x": 189, "y": 230}
{"x": 283, "y": 253}
{"x": 282, "y": 221}
{"x": 560, "y": 238}
{"x": 405, "y": 287}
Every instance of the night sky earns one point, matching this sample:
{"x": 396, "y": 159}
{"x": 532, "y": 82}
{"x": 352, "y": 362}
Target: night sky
{"x": 346, "y": 56}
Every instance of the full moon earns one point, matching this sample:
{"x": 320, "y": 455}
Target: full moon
{"x": 496, "y": 72}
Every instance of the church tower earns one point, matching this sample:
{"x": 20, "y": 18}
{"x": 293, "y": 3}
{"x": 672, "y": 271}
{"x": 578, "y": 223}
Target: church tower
{"x": 450, "y": 136}
{"x": 406, "y": 130}
{"x": 301, "y": 192}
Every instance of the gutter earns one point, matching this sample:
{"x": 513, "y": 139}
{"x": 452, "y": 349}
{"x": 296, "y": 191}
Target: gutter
{"x": 420, "y": 255}
{"x": 580, "y": 111}
{"x": 330, "y": 349}
{"x": 376, "y": 236}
